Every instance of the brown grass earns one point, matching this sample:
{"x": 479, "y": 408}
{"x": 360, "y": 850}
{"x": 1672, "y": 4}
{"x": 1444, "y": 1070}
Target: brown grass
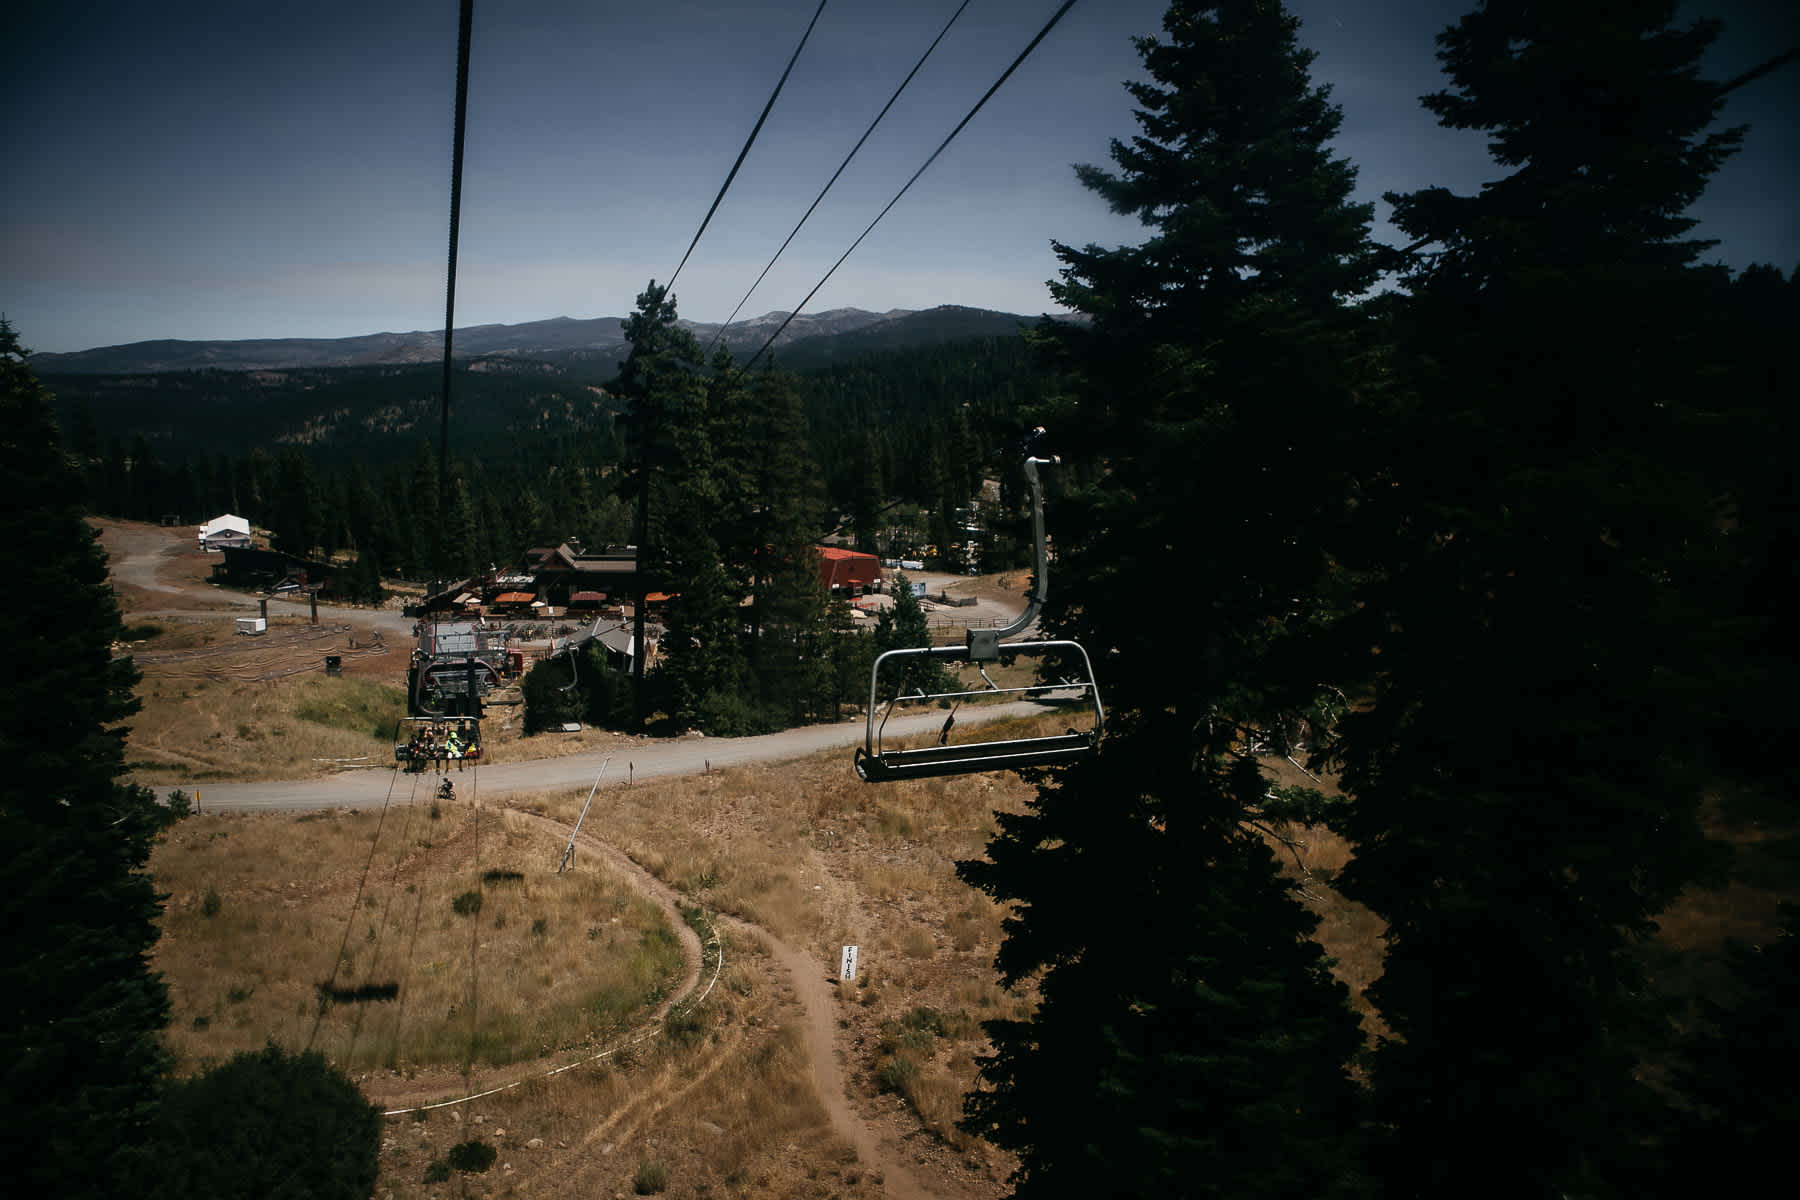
{"x": 196, "y": 731}
{"x": 822, "y": 860}
{"x": 729, "y": 1111}
{"x": 803, "y": 850}
{"x": 263, "y": 909}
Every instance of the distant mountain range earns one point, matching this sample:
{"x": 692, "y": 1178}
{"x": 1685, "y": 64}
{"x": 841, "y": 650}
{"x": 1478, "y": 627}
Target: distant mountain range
{"x": 810, "y": 340}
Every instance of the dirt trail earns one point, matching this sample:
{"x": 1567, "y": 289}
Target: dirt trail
{"x": 811, "y": 987}
{"x": 815, "y": 995}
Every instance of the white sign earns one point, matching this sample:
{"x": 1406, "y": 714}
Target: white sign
{"x": 847, "y": 967}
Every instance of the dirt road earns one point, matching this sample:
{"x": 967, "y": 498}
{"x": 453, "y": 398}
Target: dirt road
{"x": 141, "y": 557}
{"x": 641, "y": 759}
{"x": 138, "y": 554}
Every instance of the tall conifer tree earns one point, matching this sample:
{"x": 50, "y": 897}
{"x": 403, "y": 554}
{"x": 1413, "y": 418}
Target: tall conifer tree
{"x": 1524, "y": 779}
{"x": 80, "y": 1010}
{"x": 786, "y": 516}
{"x": 1202, "y": 1051}
{"x": 665, "y": 431}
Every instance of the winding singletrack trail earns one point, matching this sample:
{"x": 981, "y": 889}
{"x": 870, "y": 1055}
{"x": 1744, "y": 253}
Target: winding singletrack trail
{"x": 818, "y": 1026}
{"x": 814, "y": 993}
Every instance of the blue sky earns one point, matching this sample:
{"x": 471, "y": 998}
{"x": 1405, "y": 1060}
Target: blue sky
{"x": 209, "y": 170}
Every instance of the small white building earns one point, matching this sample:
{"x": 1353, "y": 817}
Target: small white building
{"x": 224, "y": 531}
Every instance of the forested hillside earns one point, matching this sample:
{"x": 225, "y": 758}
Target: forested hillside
{"x": 346, "y": 459}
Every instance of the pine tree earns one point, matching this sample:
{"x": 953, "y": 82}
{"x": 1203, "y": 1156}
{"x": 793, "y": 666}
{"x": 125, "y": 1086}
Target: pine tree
{"x": 424, "y": 500}
{"x": 675, "y": 489}
{"x": 461, "y": 535}
{"x": 268, "y": 1124}
{"x": 1750, "y": 455}
{"x": 904, "y": 626}
{"x": 80, "y": 1009}
{"x": 1525, "y": 777}
{"x": 786, "y": 514}
{"x": 1202, "y": 1052}
{"x": 295, "y": 517}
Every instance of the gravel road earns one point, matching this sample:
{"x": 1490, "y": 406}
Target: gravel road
{"x": 639, "y": 760}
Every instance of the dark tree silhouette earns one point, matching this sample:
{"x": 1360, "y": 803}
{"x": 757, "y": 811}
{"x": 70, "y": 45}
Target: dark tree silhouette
{"x": 1525, "y": 777}
{"x": 1204, "y": 1051}
{"x": 267, "y": 1125}
{"x": 80, "y": 1009}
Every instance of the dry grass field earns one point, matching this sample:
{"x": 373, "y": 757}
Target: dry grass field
{"x": 264, "y": 910}
{"x": 800, "y": 858}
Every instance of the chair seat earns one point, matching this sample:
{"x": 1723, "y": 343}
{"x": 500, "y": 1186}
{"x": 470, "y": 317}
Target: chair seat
{"x": 972, "y": 757}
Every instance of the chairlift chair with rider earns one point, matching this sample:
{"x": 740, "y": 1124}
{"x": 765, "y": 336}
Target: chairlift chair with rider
{"x": 420, "y": 743}
{"x": 878, "y": 762}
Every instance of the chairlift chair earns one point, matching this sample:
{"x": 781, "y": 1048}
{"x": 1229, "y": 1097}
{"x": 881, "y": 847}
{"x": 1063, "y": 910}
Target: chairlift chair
{"x": 877, "y": 762}
{"x": 411, "y": 753}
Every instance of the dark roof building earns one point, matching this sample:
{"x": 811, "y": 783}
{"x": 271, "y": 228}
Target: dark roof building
{"x": 563, "y": 573}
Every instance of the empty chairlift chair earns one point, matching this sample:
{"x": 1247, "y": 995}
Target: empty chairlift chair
{"x": 878, "y": 762}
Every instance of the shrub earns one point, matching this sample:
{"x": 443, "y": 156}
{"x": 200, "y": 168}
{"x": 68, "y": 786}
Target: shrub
{"x": 651, "y": 1178}
{"x": 731, "y": 714}
{"x": 685, "y": 1026}
{"x": 267, "y": 1124}
{"x": 550, "y": 700}
{"x": 211, "y": 904}
{"x": 472, "y": 1157}
{"x": 467, "y": 904}
{"x": 896, "y": 1074}
{"x": 178, "y": 805}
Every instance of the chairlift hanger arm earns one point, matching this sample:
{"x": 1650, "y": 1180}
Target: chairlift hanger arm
{"x": 1040, "y": 590}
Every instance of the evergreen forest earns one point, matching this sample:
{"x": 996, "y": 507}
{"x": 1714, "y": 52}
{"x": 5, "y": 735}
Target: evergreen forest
{"x": 345, "y": 461}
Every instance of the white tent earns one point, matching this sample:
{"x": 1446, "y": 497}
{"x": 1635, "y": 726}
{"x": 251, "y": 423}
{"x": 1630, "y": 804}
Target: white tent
{"x": 227, "y": 530}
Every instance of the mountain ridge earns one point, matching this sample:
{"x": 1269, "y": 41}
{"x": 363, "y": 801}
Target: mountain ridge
{"x": 559, "y": 339}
